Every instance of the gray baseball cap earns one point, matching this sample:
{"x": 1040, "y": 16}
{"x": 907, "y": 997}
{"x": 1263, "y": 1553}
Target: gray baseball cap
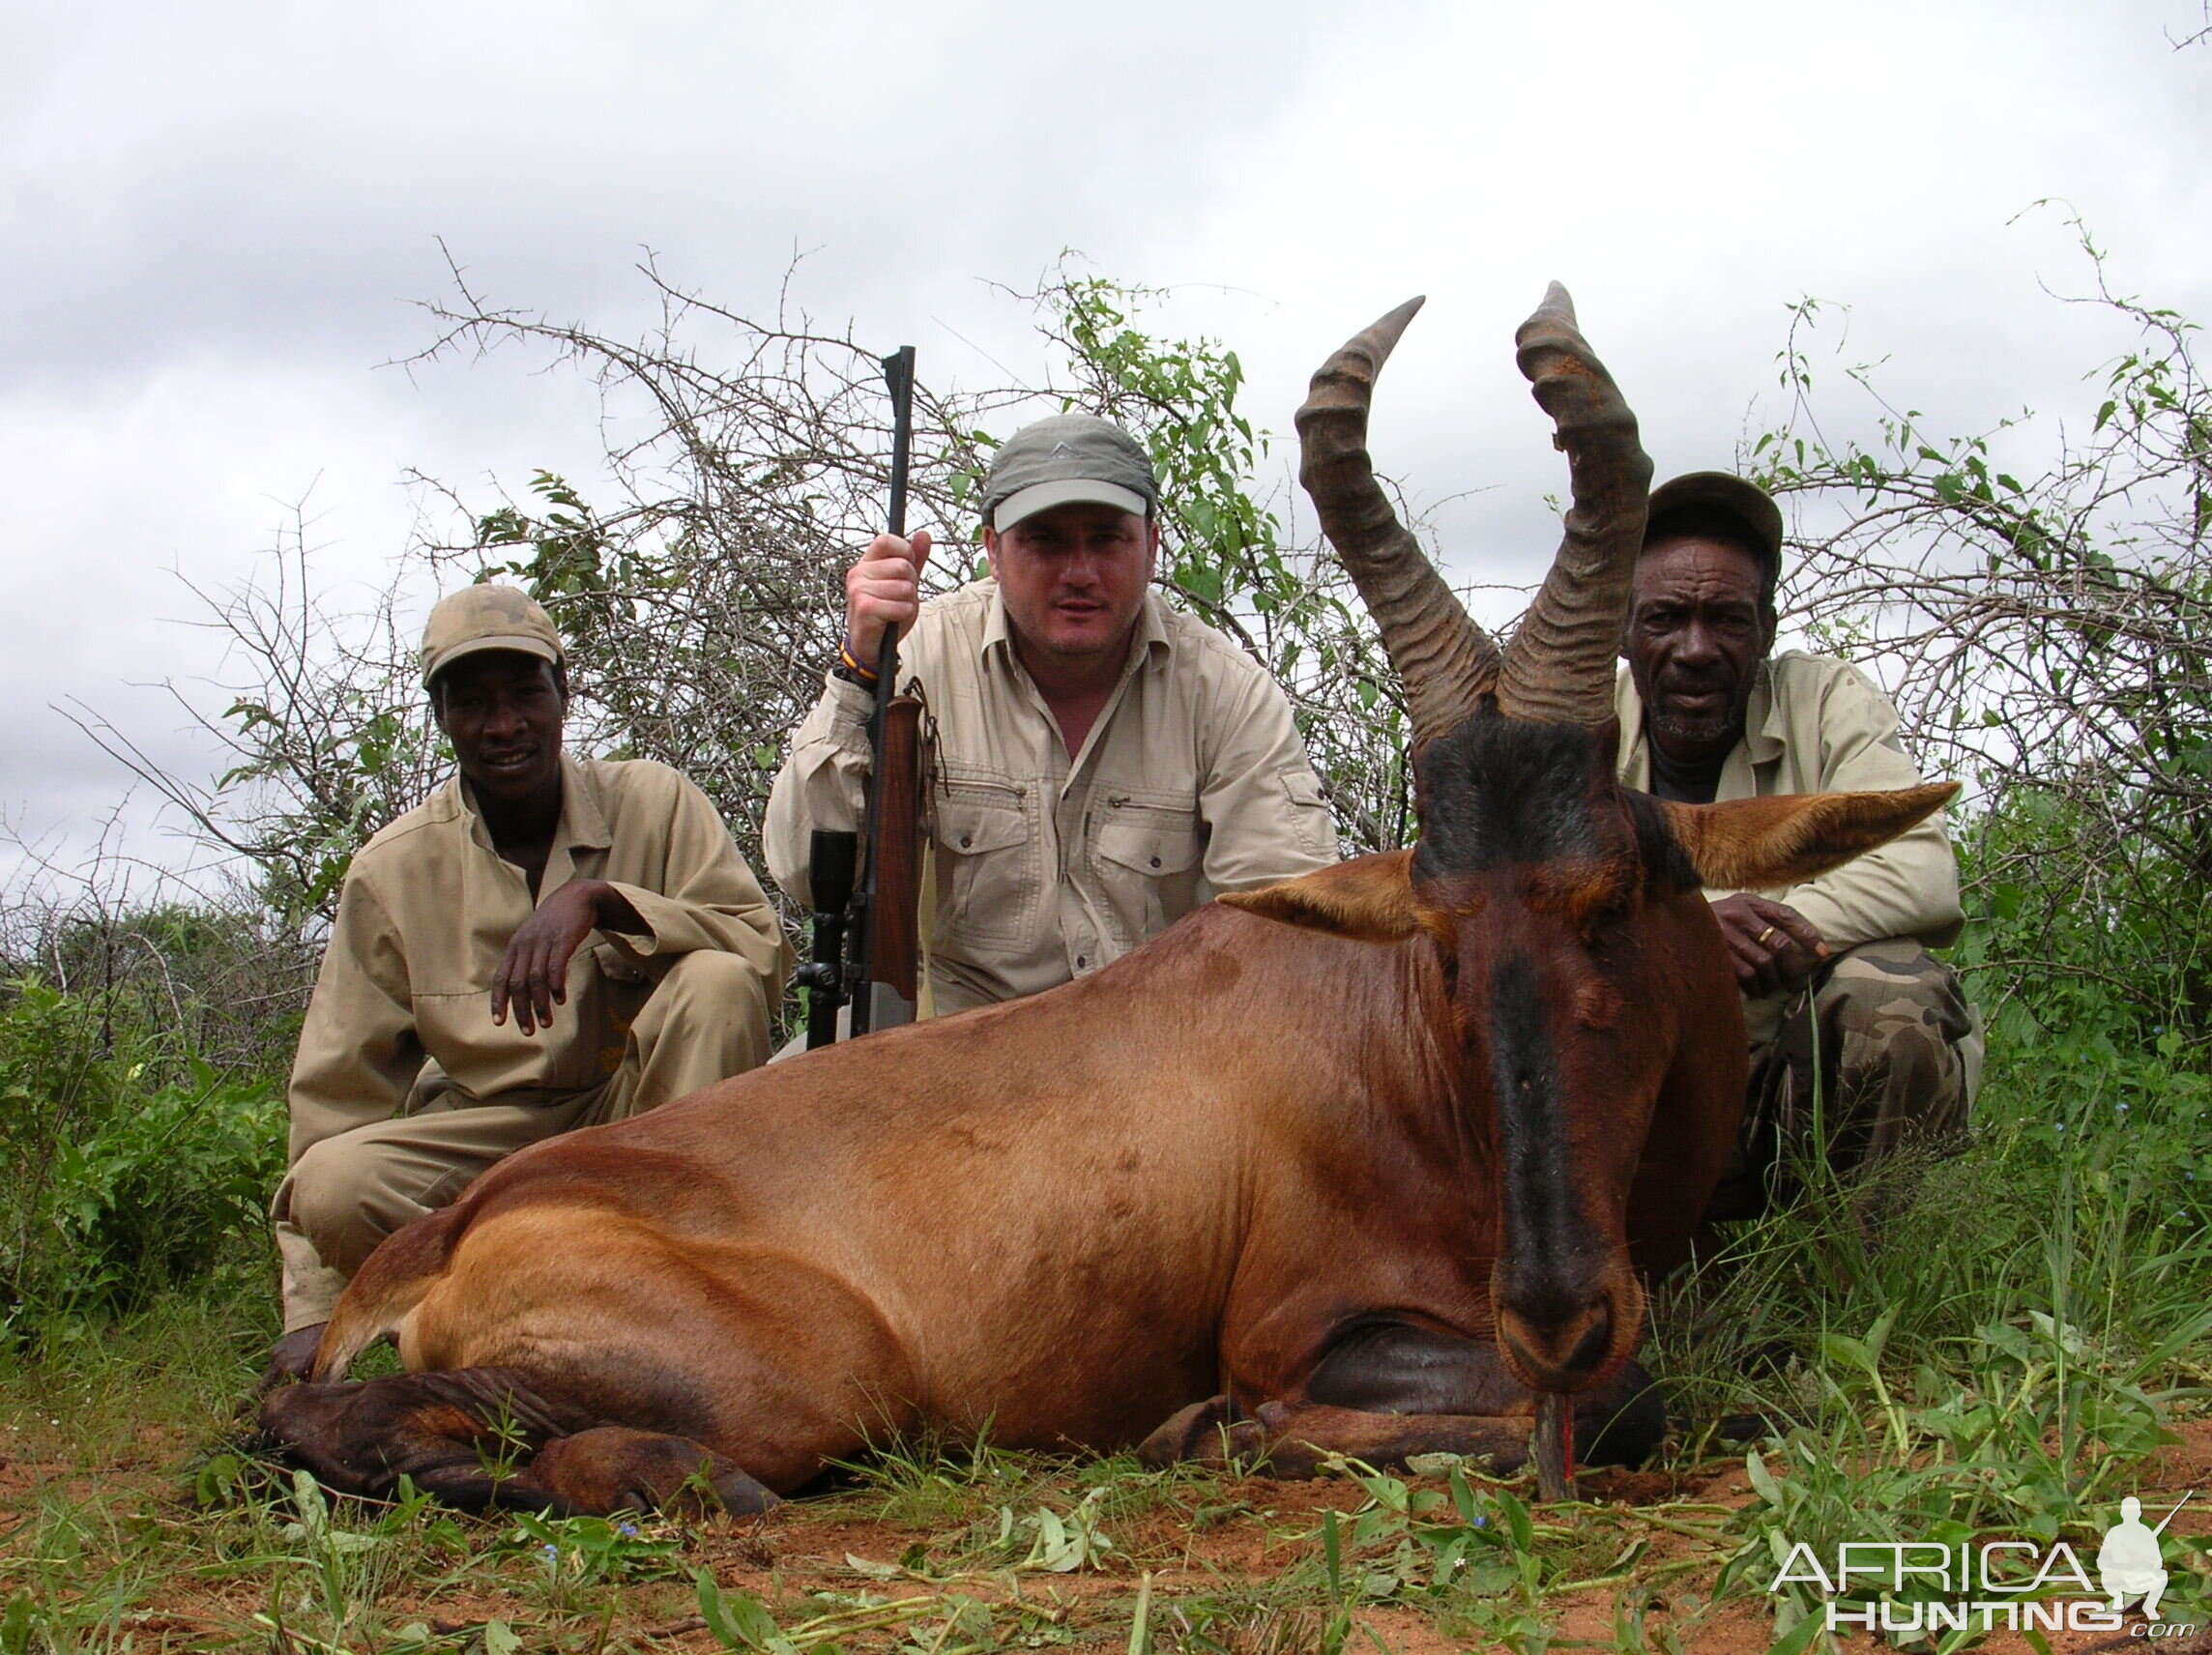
{"x": 1067, "y": 459}
{"x": 1724, "y": 491}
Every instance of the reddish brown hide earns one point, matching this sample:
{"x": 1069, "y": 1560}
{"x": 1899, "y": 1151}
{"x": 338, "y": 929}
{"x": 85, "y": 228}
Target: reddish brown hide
{"x": 1360, "y": 1163}
{"x": 1258, "y": 1156}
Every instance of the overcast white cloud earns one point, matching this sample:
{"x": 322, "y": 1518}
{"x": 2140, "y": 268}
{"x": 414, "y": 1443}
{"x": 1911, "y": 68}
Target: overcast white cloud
{"x": 213, "y": 219}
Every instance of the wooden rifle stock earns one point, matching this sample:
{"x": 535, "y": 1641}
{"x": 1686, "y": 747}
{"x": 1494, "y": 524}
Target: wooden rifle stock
{"x": 883, "y": 939}
{"x": 894, "y": 938}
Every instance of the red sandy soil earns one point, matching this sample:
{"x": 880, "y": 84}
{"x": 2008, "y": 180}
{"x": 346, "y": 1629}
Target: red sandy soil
{"x": 1255, "y": 1529}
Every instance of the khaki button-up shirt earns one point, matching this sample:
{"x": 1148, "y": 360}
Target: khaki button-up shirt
{"x": 429, "y": 907}
{"x": 1819, "y": 725}
{"x": 1192, "y": 781}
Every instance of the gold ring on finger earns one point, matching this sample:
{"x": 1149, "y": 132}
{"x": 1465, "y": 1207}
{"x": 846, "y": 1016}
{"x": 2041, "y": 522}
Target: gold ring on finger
{"x": 1761, "y": 938}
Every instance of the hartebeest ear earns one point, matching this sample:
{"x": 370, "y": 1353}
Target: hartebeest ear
{"x": 1756, "y": 844}
{"x": 1370, "y": 898}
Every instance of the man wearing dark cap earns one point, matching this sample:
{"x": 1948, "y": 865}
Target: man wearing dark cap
{"x": 548, "y": 942}
{"x": 1104, "y": 764}
{"x": 1846, "y": 1009}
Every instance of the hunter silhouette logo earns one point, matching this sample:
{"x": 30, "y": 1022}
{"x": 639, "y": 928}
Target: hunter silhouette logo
{"x": 2128, "y": 1561}
{"x": 2015, "y": 1584}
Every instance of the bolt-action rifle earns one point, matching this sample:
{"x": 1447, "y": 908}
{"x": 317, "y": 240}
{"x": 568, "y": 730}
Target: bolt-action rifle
{"x": 865, "y": 932}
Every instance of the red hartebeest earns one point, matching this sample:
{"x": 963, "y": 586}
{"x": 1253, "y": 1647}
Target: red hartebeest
{"x": 1369, "y": 1158}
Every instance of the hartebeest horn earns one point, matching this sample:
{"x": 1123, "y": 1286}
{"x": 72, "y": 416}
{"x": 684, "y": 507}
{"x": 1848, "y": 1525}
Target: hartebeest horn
{"x": 1560, "y": 669}
{"x": 1445, "y": 660}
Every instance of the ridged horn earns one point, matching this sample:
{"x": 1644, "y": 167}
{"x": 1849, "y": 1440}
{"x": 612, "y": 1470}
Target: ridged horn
{"x": 1560, "y": 669}
{"x": 1445, "y": 660}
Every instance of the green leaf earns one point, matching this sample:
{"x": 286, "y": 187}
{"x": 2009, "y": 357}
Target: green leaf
{"x": 737, "y": 1619}
{"x": 16, "y": 1624}
{"x": 1517, "y": 1519}
{"x": 1761, "y": 1480}
{"x": 1798, "y": 1638}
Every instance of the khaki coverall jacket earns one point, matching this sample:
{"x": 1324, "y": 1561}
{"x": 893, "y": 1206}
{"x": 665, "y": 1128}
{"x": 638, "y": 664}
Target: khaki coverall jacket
{"x": 1815, "y": 724}
{"x": 1193, "y": 781}
{"x": 400, "y": 1021}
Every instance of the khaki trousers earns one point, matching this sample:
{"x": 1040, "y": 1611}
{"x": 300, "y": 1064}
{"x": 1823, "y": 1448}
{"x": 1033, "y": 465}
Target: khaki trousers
{"x": 706, "y": 1020}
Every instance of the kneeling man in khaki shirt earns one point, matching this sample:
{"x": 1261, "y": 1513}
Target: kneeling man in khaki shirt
{"x": 546, "y": 944}
{"x": 1861, "y": 1039}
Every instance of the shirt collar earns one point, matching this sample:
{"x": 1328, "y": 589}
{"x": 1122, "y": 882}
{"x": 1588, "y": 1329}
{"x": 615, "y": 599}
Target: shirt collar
{"x": 1763, "y": 725}
{"x": 583, "y": 815}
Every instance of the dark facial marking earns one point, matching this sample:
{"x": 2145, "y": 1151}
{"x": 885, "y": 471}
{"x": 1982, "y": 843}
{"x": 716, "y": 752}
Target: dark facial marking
{"x": 1544, "y": 1230}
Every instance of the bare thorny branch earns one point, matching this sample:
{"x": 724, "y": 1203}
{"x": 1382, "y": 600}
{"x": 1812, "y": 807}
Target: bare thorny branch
{"x": 2049, "y": 638}
{"x": 700, "y": 585}
{"x": 747, "y": 486}
{"x": 2046, "y": 638}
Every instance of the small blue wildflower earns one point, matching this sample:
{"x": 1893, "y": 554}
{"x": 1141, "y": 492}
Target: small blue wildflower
{"x": 551, "y": 1551}
{"x": 627, "y": 1530}
{"x": 1483, "y": 1523}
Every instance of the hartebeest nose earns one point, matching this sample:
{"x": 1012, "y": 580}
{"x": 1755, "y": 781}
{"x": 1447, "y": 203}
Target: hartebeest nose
{"x": 1560, "y": 1344}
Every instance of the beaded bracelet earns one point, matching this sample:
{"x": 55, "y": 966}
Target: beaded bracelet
{"x": 852, "y": 663}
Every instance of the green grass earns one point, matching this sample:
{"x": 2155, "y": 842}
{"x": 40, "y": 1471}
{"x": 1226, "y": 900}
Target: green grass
{"x": 1990, "y": 1344}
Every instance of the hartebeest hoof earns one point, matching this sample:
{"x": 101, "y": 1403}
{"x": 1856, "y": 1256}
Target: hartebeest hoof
{"x": 611, "y": 1467}
{"x": 1208, "y": 1432}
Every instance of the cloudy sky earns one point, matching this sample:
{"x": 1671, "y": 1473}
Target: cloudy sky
{"x": 214, "y": 220}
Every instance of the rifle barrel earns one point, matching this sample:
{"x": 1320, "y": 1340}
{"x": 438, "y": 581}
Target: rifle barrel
{"x": 898, "y": 376}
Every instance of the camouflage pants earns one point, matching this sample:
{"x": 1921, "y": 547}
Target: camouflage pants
{"x": 1878, "y": 1047}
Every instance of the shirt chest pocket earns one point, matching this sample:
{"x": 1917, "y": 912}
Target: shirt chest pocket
{"x": 1147, "y": 860}
{"x": 987, "y": 853}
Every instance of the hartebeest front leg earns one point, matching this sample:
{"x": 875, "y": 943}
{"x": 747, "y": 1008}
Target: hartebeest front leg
{"x": 1301, "y": 1436}
{"x": 1386, "y": 1389}
{"x": 1294, "y": 1440}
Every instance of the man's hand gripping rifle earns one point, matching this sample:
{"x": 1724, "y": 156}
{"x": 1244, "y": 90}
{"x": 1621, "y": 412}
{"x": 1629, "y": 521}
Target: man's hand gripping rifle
{"x": 865, "y": 935}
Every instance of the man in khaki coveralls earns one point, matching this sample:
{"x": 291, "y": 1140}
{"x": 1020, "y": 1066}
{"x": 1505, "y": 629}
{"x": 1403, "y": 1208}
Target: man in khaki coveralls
{"x": 459, "y": 1015}
{"x": 1104, "y": 764}
{"x": 1846, "y": 1009}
